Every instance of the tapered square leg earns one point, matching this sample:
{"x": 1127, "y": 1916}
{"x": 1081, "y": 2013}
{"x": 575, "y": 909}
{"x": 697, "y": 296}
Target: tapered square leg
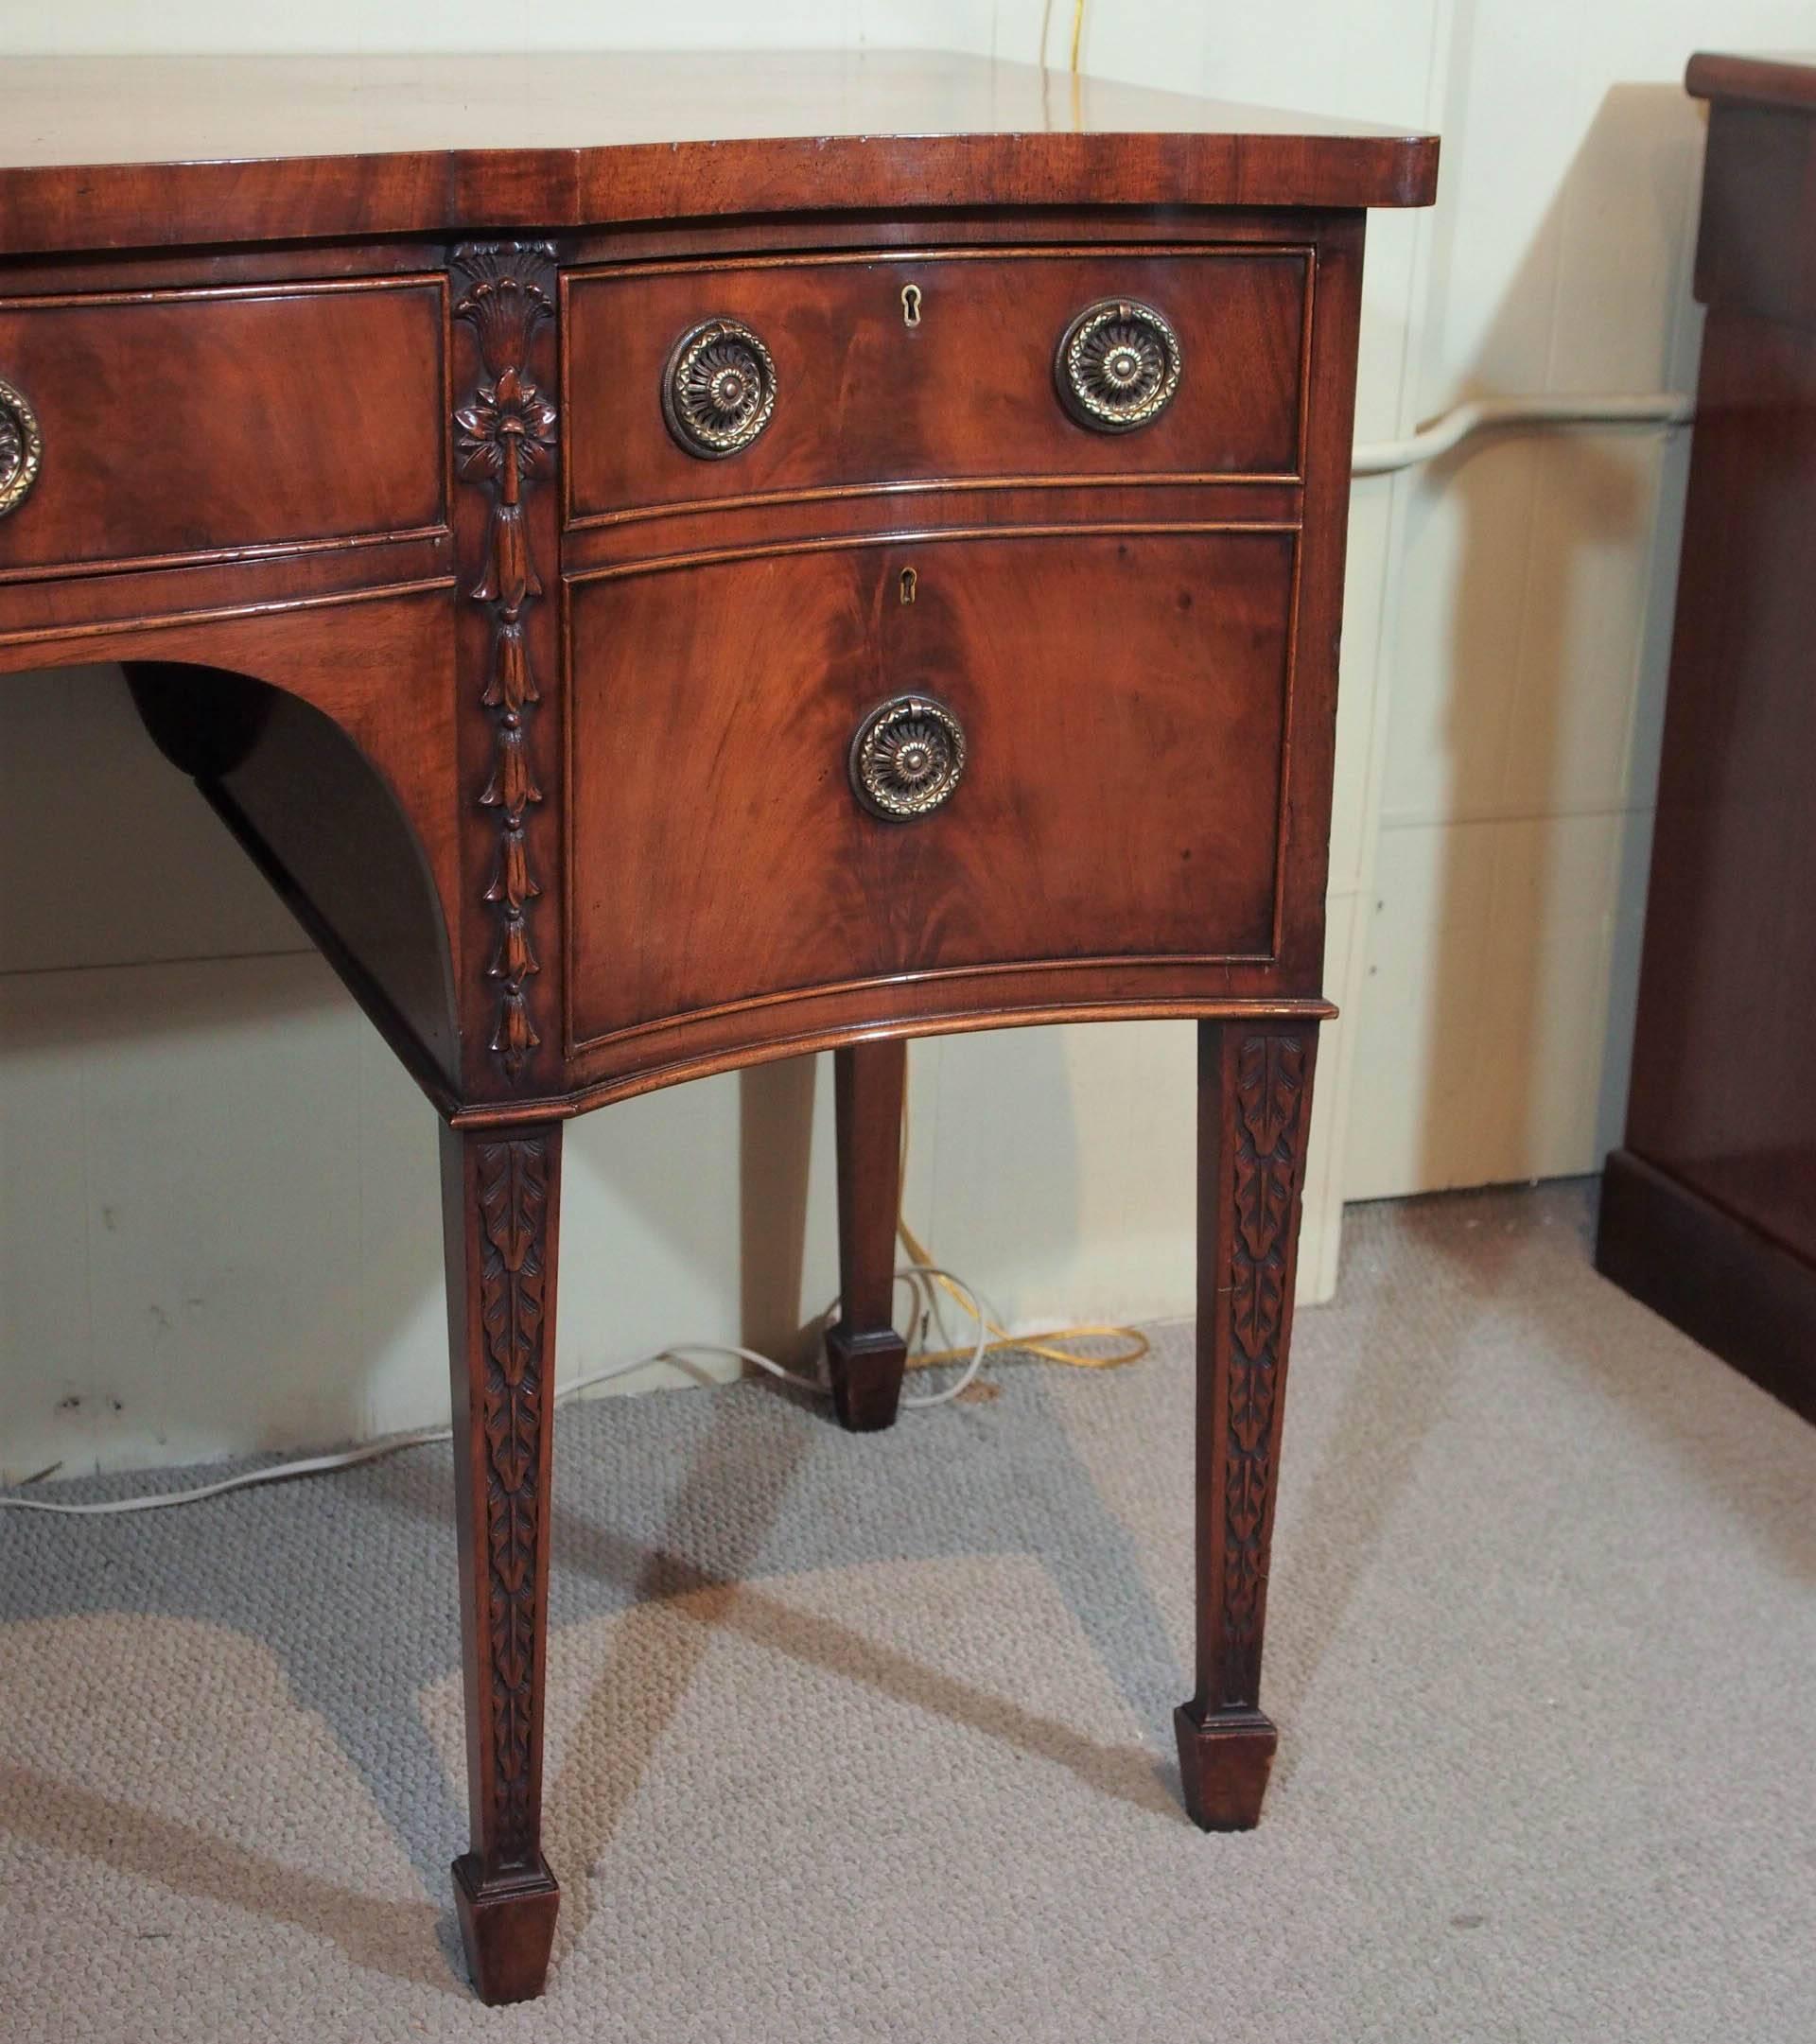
{"x": 865, "y": 1358}
{"x": 499, "y": 1206}
{"x": 1254, "y": 1107}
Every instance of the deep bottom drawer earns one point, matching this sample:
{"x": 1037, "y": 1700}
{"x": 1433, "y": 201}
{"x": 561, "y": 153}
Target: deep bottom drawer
{"x": 1122, "y": 704}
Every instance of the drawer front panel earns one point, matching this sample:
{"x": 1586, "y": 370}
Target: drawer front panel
{"x": 967, "y": 393}
{"x": 1122, "y": 699}
{"x": 189, "y": 422}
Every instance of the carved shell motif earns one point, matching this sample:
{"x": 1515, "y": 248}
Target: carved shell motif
{"x": 22, "y": 448}
{"x": 1118, "y": 366}
{"x": 718, "y": 389}
{"x": 907, "y": 758}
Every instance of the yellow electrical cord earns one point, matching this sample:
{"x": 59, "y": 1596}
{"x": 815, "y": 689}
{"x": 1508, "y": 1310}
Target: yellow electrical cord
{"x": 1135, "y": 1343}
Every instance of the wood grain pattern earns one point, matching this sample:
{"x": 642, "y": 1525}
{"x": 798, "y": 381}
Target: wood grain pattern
{"x": 1720, "y": 1140}
{"x": 1123, "y": 698}
{"x": 514, "y": 1199}
{"x": 500, "y": 1201}
{"x": 141, "y": 152}
{"x": 966, "y": 393}
{"x": 374, "y": 665}
{"x": 865, "y": 1358}
{"x": 1254, "y": 1107}
{"x": 1271, "y": 1088}
{"x": 272, "y": 764}
{"x": 569, "y": 809}
{"x": 152, "y": 403}
{"x": 75, "y": 616}
{"x": 504, "y": 438}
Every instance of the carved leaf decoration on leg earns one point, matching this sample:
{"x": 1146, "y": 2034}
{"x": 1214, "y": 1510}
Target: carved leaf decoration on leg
{"x": 511, "y": 1325}
{"x": 1269, "y": 1078}
{"x": 1257, "y": 1293}
{"x": 513, "y": 1202}
{"x": 1270, "y": 1101}
{"x": 1247, "y": 1497}
{"x": 513, "y": 1199}
{"x": 1252, "y": 1408}
{"x": 512, "y": 1431}
{"x": 1264, "y": 1201}
{"x": 512, "y": 1526}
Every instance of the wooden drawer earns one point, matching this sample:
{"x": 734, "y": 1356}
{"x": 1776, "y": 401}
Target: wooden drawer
{"x": 177, "y": 424}
{"x": 968, "y": 393}
{"x": 1122, "y": 698}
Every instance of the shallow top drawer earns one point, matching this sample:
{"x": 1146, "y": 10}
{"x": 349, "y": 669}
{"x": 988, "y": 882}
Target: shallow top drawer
{"x": 885, "y": 369}
{"x": 189, "y": 422}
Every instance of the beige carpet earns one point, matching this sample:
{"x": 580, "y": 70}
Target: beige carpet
{"x": 865, "y": 1740}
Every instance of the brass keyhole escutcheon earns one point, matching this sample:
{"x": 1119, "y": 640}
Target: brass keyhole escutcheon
{"x": 910, "y": 582}
{"x": 911, "y": 304}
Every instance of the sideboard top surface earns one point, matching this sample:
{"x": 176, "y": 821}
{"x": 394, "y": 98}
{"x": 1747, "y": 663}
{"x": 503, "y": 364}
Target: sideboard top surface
{"x": 147, "y": 151}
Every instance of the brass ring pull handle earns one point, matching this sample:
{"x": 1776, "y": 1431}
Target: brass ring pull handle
{"x": 718, "y": 389}
{"x": 1118, "y": 366}
{"x": 907, "y": 758}
{"x": 22, "y": 448}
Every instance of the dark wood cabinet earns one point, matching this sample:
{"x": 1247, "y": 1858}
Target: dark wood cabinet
{"x": 705, "y": 561}
{"x": 1709, "y": 1209}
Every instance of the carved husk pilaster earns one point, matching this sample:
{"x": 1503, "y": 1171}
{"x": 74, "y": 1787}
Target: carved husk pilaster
{"x": 504, "y": 442}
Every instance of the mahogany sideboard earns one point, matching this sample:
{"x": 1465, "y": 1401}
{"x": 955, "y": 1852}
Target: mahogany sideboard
{"x": 666, "y": 563}
{"x": 1709, "y": 1209}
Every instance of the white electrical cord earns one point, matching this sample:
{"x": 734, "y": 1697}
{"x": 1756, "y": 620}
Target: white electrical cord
{"x": 1383, "y": 457}
{"x": 678, "y": 1352}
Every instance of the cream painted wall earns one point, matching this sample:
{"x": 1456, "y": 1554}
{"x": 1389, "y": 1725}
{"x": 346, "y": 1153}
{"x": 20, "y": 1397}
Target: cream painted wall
{"x": 1535, "y": 578}
{"x": 218, "y": 1218}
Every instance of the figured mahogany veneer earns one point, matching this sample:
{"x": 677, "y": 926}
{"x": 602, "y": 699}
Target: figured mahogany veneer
{"x": 332, "y": 402}
{"x": 1123, "y": 701}
{"x": 961, "y": 396}
{"x": 181, "y": 424}
{"x": 159, "y": 152}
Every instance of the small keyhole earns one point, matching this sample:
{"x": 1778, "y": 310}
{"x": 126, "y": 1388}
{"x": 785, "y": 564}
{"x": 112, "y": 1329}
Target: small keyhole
{"x": 909, "y": 582}
{"x": 911, "y": 307}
